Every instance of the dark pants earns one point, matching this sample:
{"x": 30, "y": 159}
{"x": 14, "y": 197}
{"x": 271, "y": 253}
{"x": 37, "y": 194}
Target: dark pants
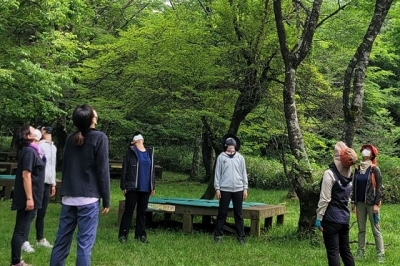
{"x": 22, "y": 224}
{"x": 41, "y": 213}
{"x": 336, "y": 239}
{"x": 237, "y": 201}
{"x": 133, "y": 198}
{"x": 86, "y": 217}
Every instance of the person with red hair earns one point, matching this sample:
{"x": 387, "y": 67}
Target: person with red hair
{"x": 366, "y": 200}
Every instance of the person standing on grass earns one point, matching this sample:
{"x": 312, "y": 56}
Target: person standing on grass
{"x": 85, "y": 179}
{"x": 26, "y": 246}
{"x": 28, "y": 189}
{"x": 366, "y": 200}
{"x": 230, "y": 183}
{"x": 50, "y": 151}
{"x": 137, "y": 185}
{"x": 333, "y": 214}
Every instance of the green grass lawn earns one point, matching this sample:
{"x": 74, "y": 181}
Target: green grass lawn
{"x": 170, "y": 246}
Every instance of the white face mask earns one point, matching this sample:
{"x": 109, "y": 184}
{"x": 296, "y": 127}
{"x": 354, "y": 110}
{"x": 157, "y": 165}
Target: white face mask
{"x": 366, "y": 153}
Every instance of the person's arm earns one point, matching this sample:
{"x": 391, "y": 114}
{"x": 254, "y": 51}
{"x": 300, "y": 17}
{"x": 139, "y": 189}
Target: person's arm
{"x": 53, "y": 165}
{"x": 325, "y": 195}
{"x": 125, "y": 163}
{"x": 244, "y": 175}
{"x": 103, "y": 171}
{"x": 27, "y": 183}
{"x": 217, "y": 178}
{"x": 378, "y": 180}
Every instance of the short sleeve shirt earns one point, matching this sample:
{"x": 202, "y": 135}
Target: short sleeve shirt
{"x": 29, "y": 160}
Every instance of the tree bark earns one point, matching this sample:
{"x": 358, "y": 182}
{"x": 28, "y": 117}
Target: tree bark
{"x": 354, "y": 76}
{"x": 195, "y": 169}
{"x": 300, "y": 175}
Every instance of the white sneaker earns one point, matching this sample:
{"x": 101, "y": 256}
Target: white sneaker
{"x": 44, "y": 243}
{"x": 26, "y": 246}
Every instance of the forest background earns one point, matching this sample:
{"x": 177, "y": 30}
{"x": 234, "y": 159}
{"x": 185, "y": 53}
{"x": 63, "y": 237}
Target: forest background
{"x": 289, "y": 78}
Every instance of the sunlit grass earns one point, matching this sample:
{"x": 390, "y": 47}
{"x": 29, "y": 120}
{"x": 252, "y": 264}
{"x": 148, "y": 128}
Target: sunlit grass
{"x": 170, "y": 246}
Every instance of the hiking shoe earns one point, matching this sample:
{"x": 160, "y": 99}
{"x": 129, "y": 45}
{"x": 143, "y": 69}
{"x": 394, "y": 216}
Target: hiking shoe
{"x": 44, "y": 243}
{"x": 26, "y": 246}
{"x": 217, "y": 239}
{"x": 381, "y": 258}
{"x": 360, "y": 254}
{"x": 122, "y": 239}
{"x": 242, "y": 241}
{"x": 22, "y": 263}
{"x": 143, "y": 239}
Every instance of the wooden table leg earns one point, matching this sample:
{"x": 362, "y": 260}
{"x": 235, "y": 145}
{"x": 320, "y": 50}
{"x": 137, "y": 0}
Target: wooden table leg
{"x": 280, "y": 219}
{"x": 268, "y": 222}
{"x": 187, "y": 223}
{"x": 255, "y": 227}
{"x": 7, "y": 192}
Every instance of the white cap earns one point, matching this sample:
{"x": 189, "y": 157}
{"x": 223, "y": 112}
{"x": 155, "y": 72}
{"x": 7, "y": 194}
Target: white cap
{"x": 137, "y": 137}
{"x": 366, "y": 152}
{"x": 38, "y": 134}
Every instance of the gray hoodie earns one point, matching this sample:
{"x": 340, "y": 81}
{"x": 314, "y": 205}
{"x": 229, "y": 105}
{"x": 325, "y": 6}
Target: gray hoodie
{"x": 50, "y": 152}
{"x": 230, "y": 173}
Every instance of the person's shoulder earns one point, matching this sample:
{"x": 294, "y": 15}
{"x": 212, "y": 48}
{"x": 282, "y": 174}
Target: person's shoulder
{"x": 98, "y": 134}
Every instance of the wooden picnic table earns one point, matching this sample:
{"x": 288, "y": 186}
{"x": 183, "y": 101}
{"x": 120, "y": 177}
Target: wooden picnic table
{"x": 116, "y": 169}
{"x": 8, "y": 168}
{"x": 7, "y": 184}
{"x": 255, "y": 211}
{"x": 8, "y": 156}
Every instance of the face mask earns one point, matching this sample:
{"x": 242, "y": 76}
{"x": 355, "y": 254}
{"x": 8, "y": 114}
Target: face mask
{"x": 366, "y": 153}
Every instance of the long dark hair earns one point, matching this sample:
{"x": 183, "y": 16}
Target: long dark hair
{"x": 21, "y": 137}
{"x": 82, "y": 118}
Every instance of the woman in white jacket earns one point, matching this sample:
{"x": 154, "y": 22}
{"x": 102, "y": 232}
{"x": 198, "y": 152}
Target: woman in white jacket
{"x": 230, "y": 183}
{"x": 49, "y": 150}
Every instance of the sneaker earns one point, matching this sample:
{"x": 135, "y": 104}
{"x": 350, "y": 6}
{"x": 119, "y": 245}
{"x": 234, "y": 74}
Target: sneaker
{"x": 44, "y": 243}
{"x": 22, "y": 263}
{"x": 122, "y": 239}
{"x": 381, "y": 258}
{"x": 217, "y": 239}
{"x": 143, "y": 239}
{"x": 360, "y": 254}
{"x": 242, "y": 240}
{"x": 26, "y": 246}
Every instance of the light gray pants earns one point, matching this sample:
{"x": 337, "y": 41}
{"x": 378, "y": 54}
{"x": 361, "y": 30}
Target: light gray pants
{"x": 364, "y": 210}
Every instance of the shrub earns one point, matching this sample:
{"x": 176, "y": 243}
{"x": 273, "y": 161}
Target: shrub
{"x": 265, "y": 174}
{"x": 174, "y": 158}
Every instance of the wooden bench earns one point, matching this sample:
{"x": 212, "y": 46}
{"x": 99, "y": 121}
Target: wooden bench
{"x": 8, "y": 168}
{"x": 188, "y": 208}
{"x": 116, "y": 170}
{"x": 7, "y": 184}
{"x": 8, "y": 156}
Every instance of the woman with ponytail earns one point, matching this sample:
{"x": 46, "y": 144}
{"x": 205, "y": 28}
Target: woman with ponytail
{"x": 85, "y": 180}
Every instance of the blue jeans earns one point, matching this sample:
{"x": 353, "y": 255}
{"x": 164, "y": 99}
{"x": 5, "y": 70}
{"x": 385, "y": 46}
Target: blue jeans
{"x": 336, "y": 239}
{"x": 87, "y": 218}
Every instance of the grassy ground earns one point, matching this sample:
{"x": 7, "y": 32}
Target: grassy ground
{"x": 170, "y": 246}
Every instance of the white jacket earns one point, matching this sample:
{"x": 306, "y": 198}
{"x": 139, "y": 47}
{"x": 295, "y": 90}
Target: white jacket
{"x": 230, "y": 173}
{"x": 50, "y": 151}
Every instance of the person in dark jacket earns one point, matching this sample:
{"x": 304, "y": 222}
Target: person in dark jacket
{"x": 85, "y": 180}
{"x": 137, "y": 185}
{"x": 366, "y": 200}
{"x": 28, "y": 188}
{"x": 333, "y": 213}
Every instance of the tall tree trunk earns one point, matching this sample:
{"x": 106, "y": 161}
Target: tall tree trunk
{"x": 354, "y": 76}
{"x": 300, "y": 176}
{"x": 195, "y": 169}
{"x": 251, "y": 87}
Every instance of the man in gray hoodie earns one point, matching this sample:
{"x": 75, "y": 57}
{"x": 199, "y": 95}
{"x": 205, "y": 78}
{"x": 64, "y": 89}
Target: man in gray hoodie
{"x": 230, "y": 183}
